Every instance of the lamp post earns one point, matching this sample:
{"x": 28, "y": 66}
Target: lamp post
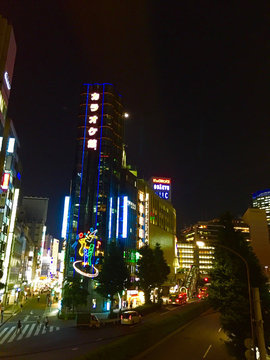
{"x": 201, "y": 243}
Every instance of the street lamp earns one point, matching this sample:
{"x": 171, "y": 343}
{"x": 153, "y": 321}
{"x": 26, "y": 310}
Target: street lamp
{"x": 201, "y": 243}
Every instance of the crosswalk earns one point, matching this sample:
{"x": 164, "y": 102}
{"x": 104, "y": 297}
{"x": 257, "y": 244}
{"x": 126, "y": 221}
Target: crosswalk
{"x": 10, "y": 334}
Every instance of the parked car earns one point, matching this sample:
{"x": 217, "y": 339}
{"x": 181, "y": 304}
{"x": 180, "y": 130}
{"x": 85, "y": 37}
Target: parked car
{"x": 130, "y": 317}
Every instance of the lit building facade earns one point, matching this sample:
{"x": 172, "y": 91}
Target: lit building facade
{"x": 261, "y": 200}
{"x": 10, "y": 166}
{"x": 189, "y": 253}
{"x": 157, "y": 223}
{"x": 102, "y": 192}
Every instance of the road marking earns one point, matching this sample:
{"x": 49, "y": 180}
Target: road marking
{"x": 24, "y": 330}
{"x": 51, "y": 328}
{"x": 99, "y": 339}
{"x": 3, "y": 331}
{"x": 30, "y": 331}
{"x": 7, "y": 335}
{"x": 37, "y": 329}
{"x": 207, "y": 351}
{"x": 167, "y": 312}
{"x": 13, "y": 336}
{"x": 44, "y": 330}
{"x": 220, "y": 329}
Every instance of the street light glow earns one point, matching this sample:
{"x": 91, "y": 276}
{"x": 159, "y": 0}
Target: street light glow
{"x": 126, "y": 115}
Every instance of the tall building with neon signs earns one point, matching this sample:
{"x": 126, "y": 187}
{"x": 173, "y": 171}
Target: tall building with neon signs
{"x": 10, "y": 166}
{"x": 101, "y": 208}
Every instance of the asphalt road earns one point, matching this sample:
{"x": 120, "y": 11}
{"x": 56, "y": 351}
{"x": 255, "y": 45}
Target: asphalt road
{"x": 62, "y": 340}
{"x": 200, "y": 339}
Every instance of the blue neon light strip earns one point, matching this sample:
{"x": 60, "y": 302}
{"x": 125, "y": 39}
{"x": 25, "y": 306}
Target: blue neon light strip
{"x": 117, "y": 219}
{"x": 110, "y": 219}
{"x": 85, "y": 122}
{"x": 125, "y": 216}
{"x": 101, "y": 125}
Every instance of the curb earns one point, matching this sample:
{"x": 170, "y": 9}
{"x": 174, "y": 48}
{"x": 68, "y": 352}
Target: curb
{"x": 15, "y": 313}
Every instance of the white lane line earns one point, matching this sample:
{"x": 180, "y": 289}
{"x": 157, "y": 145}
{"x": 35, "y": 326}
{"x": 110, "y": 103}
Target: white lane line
{"x": 7, "y": 334}
{"x": 12, "y": 336}
{"x": 25, "y": 327}
{"x": 3, "y": 331}
{"x": 167, "y": 312}
{"x": 220, "y": 330}
{"x": 30, "y": 331}
{"x": 37, "y": 329}
{"x": 204, "y": 356}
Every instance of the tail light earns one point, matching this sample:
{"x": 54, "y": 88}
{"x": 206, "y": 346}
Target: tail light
{"x": 121, "y": 317}
{"x": 170, "y": 299}
{"x": 177, "y": 300}
{"x": 199, "y": 295}
{"x": 130, "y": 317}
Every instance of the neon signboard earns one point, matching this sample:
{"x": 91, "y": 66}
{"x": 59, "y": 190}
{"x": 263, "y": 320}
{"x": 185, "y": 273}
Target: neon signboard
{"x": 86, "y": 251}
{"x": 7, "y": 80}
{"x": 93, "y": 121}
{"x": 162, "y": 187}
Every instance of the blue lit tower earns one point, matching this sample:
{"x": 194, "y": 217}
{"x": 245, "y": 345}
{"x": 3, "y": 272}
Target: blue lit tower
{"x": 96, "y": 178}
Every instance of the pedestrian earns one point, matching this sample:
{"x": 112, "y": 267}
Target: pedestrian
{"x": 2, "y": 314}
{"x": 38, "y": 321}
{"x": 38, "y": 298}
{"x": 19, "y": 327}
{"x": 46, "y": 322}
{"x": 21, "y": 306}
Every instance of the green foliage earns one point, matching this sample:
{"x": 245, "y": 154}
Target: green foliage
{"x": 152, "y": 270}
{"x": 228, "y": 292}
{"x": 114, "y": 276}
{"x": 73, "y": 293}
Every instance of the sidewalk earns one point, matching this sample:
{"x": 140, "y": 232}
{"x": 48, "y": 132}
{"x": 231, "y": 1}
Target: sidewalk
{"x": 12, "y": 310}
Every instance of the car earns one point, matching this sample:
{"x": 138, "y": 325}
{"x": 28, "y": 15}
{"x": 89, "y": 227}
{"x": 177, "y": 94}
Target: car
{"x": 130, "y": 318}
{"x": 178, "y": 299}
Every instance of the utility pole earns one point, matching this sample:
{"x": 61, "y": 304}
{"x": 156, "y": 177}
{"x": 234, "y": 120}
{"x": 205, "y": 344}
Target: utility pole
{"x": 259, "y": 323}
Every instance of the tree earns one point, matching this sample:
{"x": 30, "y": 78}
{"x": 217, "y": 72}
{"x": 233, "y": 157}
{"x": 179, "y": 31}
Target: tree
{"x": 73, "y": 293}
{"x": 228, "y": 292}
{"x": 161, "y": 267}
{"x": 146, "y": 271}
{"x": 152, "y": 270}
{"x": 114, "y": 275}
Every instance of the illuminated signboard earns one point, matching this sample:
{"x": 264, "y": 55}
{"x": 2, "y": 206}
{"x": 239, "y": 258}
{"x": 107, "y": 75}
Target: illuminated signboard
{"x": 93, "y": 121}
{"x": 146, "y": 225}
{"x": 86, "y": 251}
{"x": 7, "y": 80}
{"x": 162, "y": 187}
{"x": 5, "y": 181}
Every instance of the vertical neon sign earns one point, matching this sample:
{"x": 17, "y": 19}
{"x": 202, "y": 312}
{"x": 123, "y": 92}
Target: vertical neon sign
{"x": 125, "y": 216}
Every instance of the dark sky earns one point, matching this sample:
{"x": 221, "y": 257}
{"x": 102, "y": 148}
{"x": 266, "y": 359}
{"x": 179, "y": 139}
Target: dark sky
{"x": 194, "y": 77}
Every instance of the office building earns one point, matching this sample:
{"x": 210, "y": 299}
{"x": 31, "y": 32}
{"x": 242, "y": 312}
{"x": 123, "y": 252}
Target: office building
{"x": 261, "y": 200}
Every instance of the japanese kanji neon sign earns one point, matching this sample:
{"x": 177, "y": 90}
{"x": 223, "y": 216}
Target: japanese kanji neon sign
{"x": 93, "y": 121}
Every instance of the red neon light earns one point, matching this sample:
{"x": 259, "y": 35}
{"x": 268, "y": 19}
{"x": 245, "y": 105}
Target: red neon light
{"x": 5, "y": 181}
{"x": 162, "y": 181}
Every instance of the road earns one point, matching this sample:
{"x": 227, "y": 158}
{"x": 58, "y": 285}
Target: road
{"x": 62, "y": 340}
{"x": 200, "y": 339}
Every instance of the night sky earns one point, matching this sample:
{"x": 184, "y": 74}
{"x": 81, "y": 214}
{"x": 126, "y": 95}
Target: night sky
{"x": 194, "y": 77}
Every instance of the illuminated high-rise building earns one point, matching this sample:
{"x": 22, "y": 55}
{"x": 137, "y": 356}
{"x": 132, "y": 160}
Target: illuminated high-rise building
{"x": 261, "y": 200}
{"x": 10, "y": 166}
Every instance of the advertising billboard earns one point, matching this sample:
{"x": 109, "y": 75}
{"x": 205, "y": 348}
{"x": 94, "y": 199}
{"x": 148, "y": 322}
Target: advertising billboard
{"x": 162, "y": 187}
